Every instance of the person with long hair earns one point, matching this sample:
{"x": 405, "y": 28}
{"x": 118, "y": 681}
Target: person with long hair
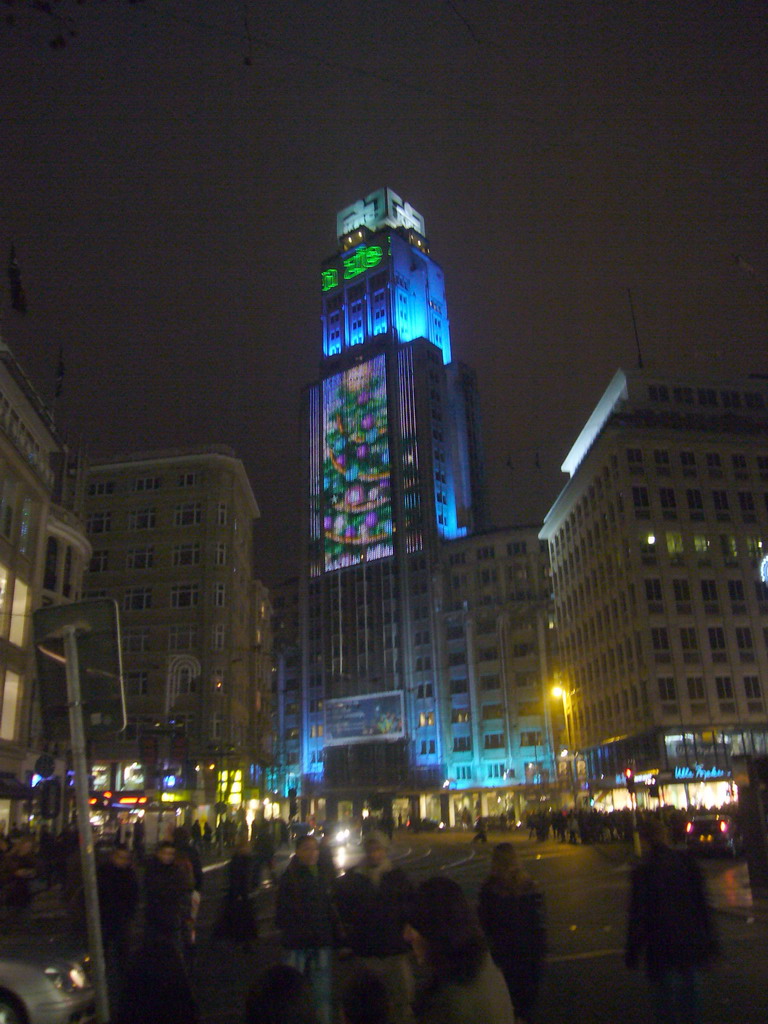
{"x": 510, "y": 908}
{"x": 462, "y": 985}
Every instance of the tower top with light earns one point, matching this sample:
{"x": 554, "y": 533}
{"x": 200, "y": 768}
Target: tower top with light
{"x": 381, "y": 209}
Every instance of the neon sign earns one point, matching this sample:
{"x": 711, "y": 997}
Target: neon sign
{"x": 698, "y": 772}
{"x": 362, "y": 259}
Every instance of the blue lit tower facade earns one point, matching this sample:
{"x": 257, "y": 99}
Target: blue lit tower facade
{"x": 392, "y": 468}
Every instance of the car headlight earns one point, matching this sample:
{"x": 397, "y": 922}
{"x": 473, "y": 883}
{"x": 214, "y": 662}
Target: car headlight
{"x": 67, "y": 980}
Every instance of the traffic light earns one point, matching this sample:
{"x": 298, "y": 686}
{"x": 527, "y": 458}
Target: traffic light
{"x": 629, "y": 778}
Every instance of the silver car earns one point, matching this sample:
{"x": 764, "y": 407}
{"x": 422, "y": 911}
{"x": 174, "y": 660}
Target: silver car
{"x": 40, "y": 985}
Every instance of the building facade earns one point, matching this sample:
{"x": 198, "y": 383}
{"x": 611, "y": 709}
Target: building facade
{"x": 43, "y": 552}
{"x": 392, "y": 468}
{"x": 172, "y": 539}
{"x": 658, "y": 546}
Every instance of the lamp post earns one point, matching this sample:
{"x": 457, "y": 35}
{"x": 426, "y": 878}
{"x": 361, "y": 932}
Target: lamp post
{"x": 559, "y": 691}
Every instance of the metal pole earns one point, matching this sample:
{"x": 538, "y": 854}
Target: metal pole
{"x": 87, "y": 858}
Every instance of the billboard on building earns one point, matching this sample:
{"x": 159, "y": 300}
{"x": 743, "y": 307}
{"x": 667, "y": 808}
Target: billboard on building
{"x": 376, "y": 716}
{"x": 357, "y": 499}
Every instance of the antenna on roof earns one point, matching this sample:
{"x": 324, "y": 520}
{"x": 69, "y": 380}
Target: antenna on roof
{"x": 634, "y": 325}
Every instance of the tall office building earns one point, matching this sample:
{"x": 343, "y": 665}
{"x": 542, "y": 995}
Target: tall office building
{"x": 392, "y": 468}
{"x": 658, "y": 545}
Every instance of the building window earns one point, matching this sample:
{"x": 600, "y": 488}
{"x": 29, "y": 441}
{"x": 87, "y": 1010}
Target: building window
{"x": 220, "y": 594}
{"x": 187, "y": 479}
{"x": 142, "y": 519}
{"x": 140, "y": 558}
{"x": 185, "y": 595}
{"x": 135, "y": 639}
{"x": 530, "y": 738}
{"x": 458, "y": 686}
{"x": 182, "y": 637}
{"x": 640, "y": 499}
{"x": 136, "y": 683}
{"x": 220, "y": 554}
{"x": 688, "y": 638}
{"x": 716, "y": 638}
{"x": 218, "y": 636}
{"x": 695, "y": 686}
{"x": 99, "y": 522}
{"x": 101, "y": 487}
{"x": 682, "y": 590}
{"x": 724, "y": 687}
{"x": 744, "y": 638}
{"x": 99, "y": 563}
{"x": 460, "y": 715}
{"x": 752, "y": 688}
{"x": 660, "y": 638}
{"x": 146, "y": 483}
{"x": 189, "y": 513}
{"x": 137, "y": 599}
{"x": 462, "y": 743}
{"x": 709, "y": 591}
{"x": 667, "y": 688}
{"x": 186, "y": 554}
{"x": 493, "y": 740}
{"x": 222, "y": 513}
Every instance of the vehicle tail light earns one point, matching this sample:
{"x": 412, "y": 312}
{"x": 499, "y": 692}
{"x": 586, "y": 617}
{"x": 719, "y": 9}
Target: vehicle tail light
{"x": 689, "y": 827}
{"x": 723, "y": 826}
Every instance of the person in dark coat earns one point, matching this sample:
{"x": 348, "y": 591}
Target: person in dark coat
{"x": 157, "y": 987}
{"x": 511, "y": 913}
{"x": 118, "y": 888}
{"x": 372, "y": 900}
{"x": 670, "y": 924}
{"x": 166, "y": 892}
{"x": 304, "y": 914}
{"x": 463, "y": 985}
{"x": 237, "y": 920}
{"x": 280, "y": 995}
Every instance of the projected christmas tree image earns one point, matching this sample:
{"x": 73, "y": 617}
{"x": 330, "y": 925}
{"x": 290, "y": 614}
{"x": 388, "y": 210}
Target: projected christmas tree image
{"x": 357, "y": 501}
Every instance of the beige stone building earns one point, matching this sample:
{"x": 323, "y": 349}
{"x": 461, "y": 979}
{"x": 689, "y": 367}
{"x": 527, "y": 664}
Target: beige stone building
{"x": 172, "y": 538}
{"x": 658, "y": 545}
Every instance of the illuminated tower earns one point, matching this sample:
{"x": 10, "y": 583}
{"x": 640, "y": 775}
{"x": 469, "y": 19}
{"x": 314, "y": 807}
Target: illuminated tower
{"x": 393, "y": 467}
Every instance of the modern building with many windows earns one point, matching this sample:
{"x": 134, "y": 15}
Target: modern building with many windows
{"x": 392, "y": 469}
{"x": 497, "y": 665}
{"x": 658, "y": 545}
{"x": 172, "y": 539}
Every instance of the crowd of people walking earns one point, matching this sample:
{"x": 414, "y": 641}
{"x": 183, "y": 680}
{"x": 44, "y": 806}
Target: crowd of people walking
{"x": 366, "y": 946}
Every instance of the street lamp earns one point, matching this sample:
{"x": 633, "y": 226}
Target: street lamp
{"x": 568, "y": 755}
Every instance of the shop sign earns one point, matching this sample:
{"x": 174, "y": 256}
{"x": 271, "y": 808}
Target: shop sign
{"x": 698, "y": 772}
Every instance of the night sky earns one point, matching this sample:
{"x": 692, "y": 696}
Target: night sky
{"x": 170, "y": 179}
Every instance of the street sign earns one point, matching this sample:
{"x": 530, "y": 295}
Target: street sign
{"x": 97, "y": 631}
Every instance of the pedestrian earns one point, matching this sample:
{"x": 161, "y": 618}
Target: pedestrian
{"x": 138, "y": 840}
{"x": 481, "y": 833}
{"x": 372, "y": 900}
{"x": 157, "y": 987}
{"x": 188, "y": 858}
{"x": 305, "y": 916}
{"x": 264, "y": 854}
{"x": 19, "y": 868}
{"x": 670, "y": 924}
{"x": 511, "y": 913}
{"x": 281, "y": 995}
{"x": 463, "y": 985}
{"x": 237, "y": 920}
{"x": 364, "y": 999}
{"x": 118, "y": 888}
{"x": 166, "y": 897}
